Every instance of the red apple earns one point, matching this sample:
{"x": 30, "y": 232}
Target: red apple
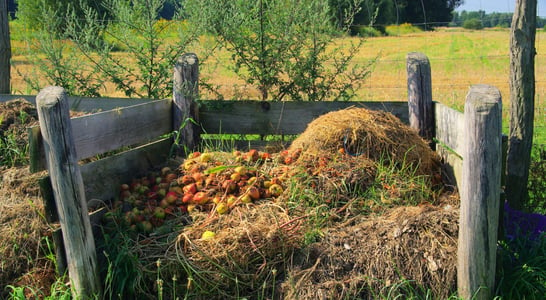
{"x": 200, "y": 198}
{"x": 185, "y": 180}
{"x": 190, "y": 188}
{"x": 187, "y": 198}
{"x": 253, "y": 192}
{"x": 171, "y": 197}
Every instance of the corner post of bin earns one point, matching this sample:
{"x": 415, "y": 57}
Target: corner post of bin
{"x": 480, "y": 193}
{"x": 185, "y": 109}
{"x": 421, "y": 115}
{"x": 68, "y": 190}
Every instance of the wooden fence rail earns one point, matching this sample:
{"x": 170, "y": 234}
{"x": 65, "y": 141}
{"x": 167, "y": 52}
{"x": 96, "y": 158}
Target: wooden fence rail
{"x": 456, "y": 135}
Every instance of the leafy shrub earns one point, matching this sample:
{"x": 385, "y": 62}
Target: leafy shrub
{"x": 365, "y": 31}
{"x": 406, "y": 28}
{"x": 537, "y": 180}
{"x": 475, "y": 24}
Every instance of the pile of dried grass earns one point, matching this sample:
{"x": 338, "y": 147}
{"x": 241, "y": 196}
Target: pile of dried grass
{"x": 22, "y": 226}
{"x": 374, "y": 135}
{"x": 362, "y": 259}
{"x": 250, "y": 246}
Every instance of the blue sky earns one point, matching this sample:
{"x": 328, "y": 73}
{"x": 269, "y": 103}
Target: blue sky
{"x": 498, "y": 6}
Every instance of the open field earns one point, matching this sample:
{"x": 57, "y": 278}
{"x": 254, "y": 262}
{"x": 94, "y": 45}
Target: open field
{"x": 459, "y": 58}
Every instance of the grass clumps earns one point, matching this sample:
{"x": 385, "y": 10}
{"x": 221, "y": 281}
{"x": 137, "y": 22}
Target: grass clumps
{"x": 402, "y": 29}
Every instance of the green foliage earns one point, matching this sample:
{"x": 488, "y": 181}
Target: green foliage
{"x": 537, "y": 180}
{"x": 406, "y": 28}
{"x": 521, "y": 272}
{"x": 283, "y": 47}
{"x": 89, "y": 62}
{"x": 475, "y": 24}
{"x": 365, "y": 31}
{"x": 31, "y": 12}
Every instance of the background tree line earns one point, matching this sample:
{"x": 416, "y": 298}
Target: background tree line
{"x": 371, "y": 12}
{"x": 494, "y": 19}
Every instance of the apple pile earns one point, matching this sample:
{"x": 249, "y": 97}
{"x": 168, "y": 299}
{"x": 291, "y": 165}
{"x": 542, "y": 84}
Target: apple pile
{"x": 211, "y": 181}
{"x": 210, "y": 185}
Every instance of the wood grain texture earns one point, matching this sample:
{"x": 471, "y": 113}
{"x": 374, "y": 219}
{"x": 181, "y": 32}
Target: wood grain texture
{"x": 480, "y": 193}
{"x": 68, "y": 191}
{"x": 110, "y": 130}
{"x": 185, "y": 91}
{"x": 85, "y": 104}
{"x": 102, "y": 178}
{"x": 421, "y": 116}
{"x": 272, "y": 118}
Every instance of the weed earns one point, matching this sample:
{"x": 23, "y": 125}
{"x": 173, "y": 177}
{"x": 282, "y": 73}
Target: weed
{"x": 537, "y": 180}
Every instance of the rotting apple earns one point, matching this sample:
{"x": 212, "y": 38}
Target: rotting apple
{"x": 187, "y": 198}
{"x": 241, "y": 170}
{"x": 171, "y": 197}
{"x": 185, "y": 180}
{"x": 200, "y": 198}
{"x": 246, "y": 198}
{"x": 275, "y": 190}
{"x": 253, "y": 192}
{"x": 222, "y": 208}
{"x": 205, "y": 157}
{"x": 190, "y": 188}
{"x": 231, "y": 201}
{"x": 159, "y": 212}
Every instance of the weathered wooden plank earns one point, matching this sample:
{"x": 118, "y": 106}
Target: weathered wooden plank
{"x": 110, "y": 130}
{"x": 449, "y": 125}
{"x": 185, "y": 91}
{"x": 68, "y": 190}
{"x": 421, "y": 117}
{"x": 85, "y": 104}
{"x": 102, "y": 178}
{"x": 452, "y": 166}
{"x": 288, "y": 117}
{"x": 480, "y": 193}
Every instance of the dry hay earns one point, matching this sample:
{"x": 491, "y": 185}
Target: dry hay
{"x": 364, "y": 258}
{"x": 250, "y": 245}
{"x": 375, "y": 135}
{"x": 22, "y": 226}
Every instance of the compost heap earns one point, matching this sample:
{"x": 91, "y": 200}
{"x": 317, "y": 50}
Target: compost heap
{"x": 338, "y": 154}
{"x": 308, "y": 230}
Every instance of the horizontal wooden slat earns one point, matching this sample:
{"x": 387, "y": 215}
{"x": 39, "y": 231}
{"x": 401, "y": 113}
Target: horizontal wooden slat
{"x": 449, "y": 125}
{"x": 110, "y": 130}
{"x": 102, "y": 178}
{"x": 85, "y": 104}
{"x": 290, "y": 117}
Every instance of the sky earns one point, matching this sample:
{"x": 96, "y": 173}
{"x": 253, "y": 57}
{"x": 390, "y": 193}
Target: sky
{"x": 490, "y": 6}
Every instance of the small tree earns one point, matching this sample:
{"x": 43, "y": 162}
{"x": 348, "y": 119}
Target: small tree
{"x": 285, "y": 48}
{"x": 134, "y": 50}
{"x": 475, "y": 24}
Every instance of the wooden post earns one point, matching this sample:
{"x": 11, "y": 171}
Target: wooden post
{"x": 5, "y": 49}
{"x": 68, "y": 189}
{"x": 421, "y": 116}
{"x": 185, "y": 92}
{"x": 480, "y": 194}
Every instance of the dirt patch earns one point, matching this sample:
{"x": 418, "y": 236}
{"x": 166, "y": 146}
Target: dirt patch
{"x": 364, "y": 257}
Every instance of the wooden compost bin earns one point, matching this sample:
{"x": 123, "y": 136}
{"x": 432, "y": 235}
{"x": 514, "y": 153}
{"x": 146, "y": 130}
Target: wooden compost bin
{"x": 145, "y": 127}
